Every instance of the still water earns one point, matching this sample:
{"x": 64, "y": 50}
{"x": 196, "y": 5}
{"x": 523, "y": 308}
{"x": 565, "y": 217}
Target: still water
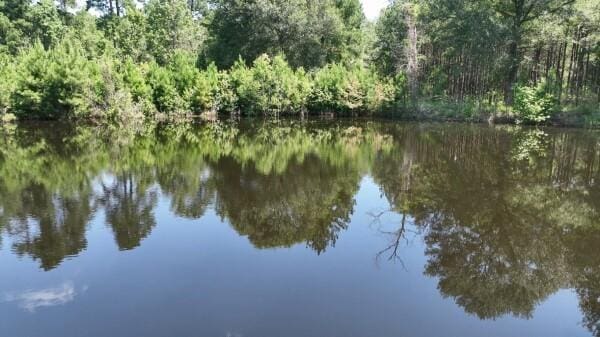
{"x": 299, "y": 228}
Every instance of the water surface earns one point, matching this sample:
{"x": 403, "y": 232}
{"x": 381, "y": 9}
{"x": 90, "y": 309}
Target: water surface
{"x": 347, "y": 228}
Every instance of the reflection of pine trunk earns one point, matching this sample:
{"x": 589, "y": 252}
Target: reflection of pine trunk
{"x": 412, "y": 55}
{"x": 406, "y": 171}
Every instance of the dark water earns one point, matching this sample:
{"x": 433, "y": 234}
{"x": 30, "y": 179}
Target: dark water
{"x": 299, "y": 229}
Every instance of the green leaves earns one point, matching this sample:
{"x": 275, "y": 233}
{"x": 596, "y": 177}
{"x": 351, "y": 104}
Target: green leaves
{"x": 533, "y": 104}
{"x": 350, "y": 90}
{"x": 310, "y": 33}
{"x": 269, "y": 87}
{"x": 57, "y": 83}
{"x": 170, "y": 27}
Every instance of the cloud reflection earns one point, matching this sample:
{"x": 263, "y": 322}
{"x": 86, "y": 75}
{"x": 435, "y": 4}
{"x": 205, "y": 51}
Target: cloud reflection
{"x": 31, "y": 300}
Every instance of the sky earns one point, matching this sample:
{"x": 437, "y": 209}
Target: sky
{"x": 373, "y": 7}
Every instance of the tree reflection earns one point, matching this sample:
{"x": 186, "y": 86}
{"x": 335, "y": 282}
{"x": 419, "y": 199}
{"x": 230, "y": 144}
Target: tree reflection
{"x": 584, "y": 264}
{"x": 45, "y": 212}
{"x": 309, "y": 202}
{"x": 60, "y": 225}
{"x": 129, "y": 211}
{"x": 278, "y": 183}
{"x": 496, "y": 222}
{"x": 508, "y": 215}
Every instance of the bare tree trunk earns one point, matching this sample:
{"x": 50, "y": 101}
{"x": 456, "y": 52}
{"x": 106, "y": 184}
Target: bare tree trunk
{"x": 513, "y": 69}
{"x": 561, "y": 73}
{"x": 412, "y": 54}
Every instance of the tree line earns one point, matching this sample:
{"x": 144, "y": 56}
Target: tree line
{"x": 118, "y": 60}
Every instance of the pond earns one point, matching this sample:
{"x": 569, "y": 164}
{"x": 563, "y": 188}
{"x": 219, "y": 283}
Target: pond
{"x": 299, "y": 228}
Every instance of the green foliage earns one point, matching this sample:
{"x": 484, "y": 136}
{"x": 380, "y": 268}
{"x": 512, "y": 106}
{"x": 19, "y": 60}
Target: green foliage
{"x": 390, "y": 32}
{"x": 178, "y": 56}
{"x": 226, "y": 99}
{"x": 310, "y": 33}
{"x": 183, "y": 72}
{"x": 129, "y": 35}
{"x": 205, "y": 91}
{"x": 7, "y": 84}
{"x": 83, "y": 29}
{"x": 165, "y": 96}
{"x": 533, "y": 104}
{"x": 351, "y": 89}
{"x": 57, "y": 83}
{"x": 134, "y": 79}
{"x": 170, "y": 26}
{"x": 332, "y": 90}
{"x": 10, "y": 36}
{"x": 22, "y": 23}
{"x": 270, "y": 86}
{"x": 46, "y": 23}
{"x": 63, "y": 83}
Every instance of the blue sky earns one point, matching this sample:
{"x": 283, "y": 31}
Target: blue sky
{"x": 372, "y": 7}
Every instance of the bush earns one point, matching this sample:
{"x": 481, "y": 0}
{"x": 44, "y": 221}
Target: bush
{"x": 205, "y": 91}
{"x": 71, "y": 81}
{"x": 226, "y": 99}
{"x": 7, "y": 118}
{"x": 350, "y": 90}
{"x": 7, "y": 85}
{"x": 533, "y": 104}
{"x": 116, "y": 103}
{"x": 165, "y": 97}
{"x": 134, "y": 78}
{"x": 57, "y": 83}
{"x": 270, "y": 86}
{"x": 83, "y": 29}
{"x": 183, "y": 72}
{"x": 379, "y": 93}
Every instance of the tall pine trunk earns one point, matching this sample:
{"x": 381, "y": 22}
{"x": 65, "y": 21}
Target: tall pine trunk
{"x": 513, "y": 66}
{"x": 412, "y": 55}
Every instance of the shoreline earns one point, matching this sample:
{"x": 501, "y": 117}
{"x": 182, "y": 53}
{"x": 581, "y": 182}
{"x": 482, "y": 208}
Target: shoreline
{"x": 390, "y": 117}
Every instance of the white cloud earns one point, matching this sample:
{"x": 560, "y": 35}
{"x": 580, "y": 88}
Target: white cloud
{"x": 373, "y": 7}
{"x": 31, "y": 300}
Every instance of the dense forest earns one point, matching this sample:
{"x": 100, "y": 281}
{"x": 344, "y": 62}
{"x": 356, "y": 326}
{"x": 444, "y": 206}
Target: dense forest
{"x": 528, "y": 61}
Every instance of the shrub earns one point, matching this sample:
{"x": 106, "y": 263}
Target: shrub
{"x": 7, "y": 118}
{"x": 269, "y": 86}
{"x": 135, "y": 81}
{"x": 83, "y": 29}
{"x": 183, "y": 73}
{"x": 205, "y": 91}
{"x": 244, "y": 87}
{"x": 165, "y": 97}
{"x": 350, "y": 90}
{"x": 57, "y": 83}
{"x": 533, "y": 104}
{"x": 328, "y": 83}
{"x": 115, "y": 103}
{"x": 379, "y": 94}
{"x": 226, "y": 99}
{"x": 7, "y": 85}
